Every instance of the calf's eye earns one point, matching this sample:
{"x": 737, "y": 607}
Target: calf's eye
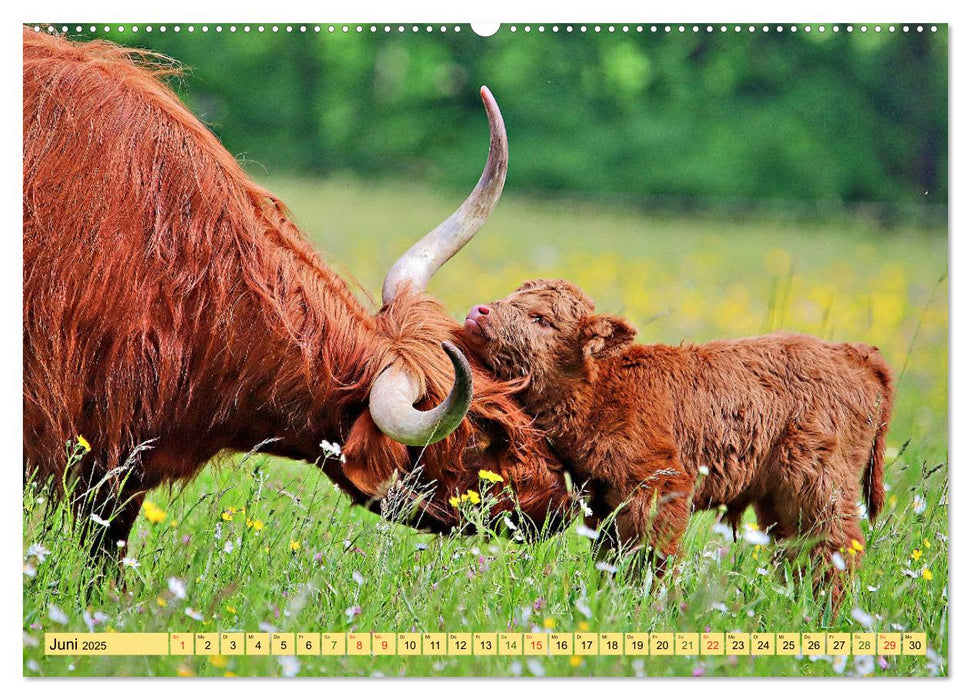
{"x": 541, "y": 320}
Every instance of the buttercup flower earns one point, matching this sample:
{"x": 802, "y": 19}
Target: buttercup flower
{"x": 492, "y": 477}
{"x": 153, "y": 513}
{"x": 85, "y": 445}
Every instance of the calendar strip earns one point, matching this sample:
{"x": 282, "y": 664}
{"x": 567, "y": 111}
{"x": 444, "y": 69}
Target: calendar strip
{"x": 487, "y": 644}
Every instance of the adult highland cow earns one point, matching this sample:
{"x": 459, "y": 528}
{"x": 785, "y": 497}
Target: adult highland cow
{"x": 171, "y": 303}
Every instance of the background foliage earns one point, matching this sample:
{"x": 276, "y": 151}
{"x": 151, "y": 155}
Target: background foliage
{"x": 840, "y": 117}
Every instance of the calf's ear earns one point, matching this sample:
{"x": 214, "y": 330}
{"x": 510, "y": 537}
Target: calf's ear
{"x": 603, "y": 336}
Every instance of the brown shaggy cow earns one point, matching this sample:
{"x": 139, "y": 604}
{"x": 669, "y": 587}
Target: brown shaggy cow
{"x": 173, "y": 311}
{"x": 787, "y": 423}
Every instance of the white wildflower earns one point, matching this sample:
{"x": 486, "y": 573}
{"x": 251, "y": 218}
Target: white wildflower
{"x": 516, "y": 668}
{"x": 585, "y": 531}
{"x": 509, "y": 523}
{"x": 722, "y": 529}
{"x": 720, "y": 607}
{"x": 863, "y": 665}
{"x": 839, "y": 664}
{"x": 38, "y": 550}
{"x": 228, "y": 547}
{"x": 838, "y": 561}
{"x": 756, "y": 537}
{"x": 920, "y": 504}
{"x": 130, "y": 562}
{"x": 332, "y": 450}
{"x": 266, "y": 627}
{"x": 762, "y": 571}
{"x": 584, "y": 609}
{"x": 704, "y": 471}
{"x": 863, "y": 617}
{"x": 352, "y": 612}
{"x": 29, "y": 571}
{"x": 29, "y": 641}
{"x": 56, "y": 614}
{"x": 587, "y": 511}
{"x": 98, "y": 520}
{"x": 535, "y": 667}
{"x": 289, "y": 666}
{"x": 91, "y": 621}
{"x": 177, "y": 587}
{"x": 194, "y": 614}
{"x": 33, "y": 666}
{"x": 605, "y": 566}
{"x": 358, "y": 578}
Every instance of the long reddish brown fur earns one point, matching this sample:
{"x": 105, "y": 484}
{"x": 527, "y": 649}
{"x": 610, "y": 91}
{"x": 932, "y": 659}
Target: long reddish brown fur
{"x": 169, "y": 301}
{"x": 787, "y": 423}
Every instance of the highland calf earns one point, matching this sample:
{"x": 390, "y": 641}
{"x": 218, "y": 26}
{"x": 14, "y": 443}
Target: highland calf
{"x": 787, "y": 423}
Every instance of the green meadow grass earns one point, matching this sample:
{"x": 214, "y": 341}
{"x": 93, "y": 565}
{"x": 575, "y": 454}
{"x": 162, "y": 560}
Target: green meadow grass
{"x": 259, "y": 544}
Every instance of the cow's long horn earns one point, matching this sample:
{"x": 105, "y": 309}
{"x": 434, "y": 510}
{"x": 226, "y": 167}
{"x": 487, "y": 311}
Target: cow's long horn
{"x": 423, "y": 259}
{"x": 394, "y": 394}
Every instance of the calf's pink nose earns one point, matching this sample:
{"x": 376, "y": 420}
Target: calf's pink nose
{"x": 484, "y": 310}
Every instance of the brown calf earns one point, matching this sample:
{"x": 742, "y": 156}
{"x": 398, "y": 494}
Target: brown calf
{"x": 787, "y": 423}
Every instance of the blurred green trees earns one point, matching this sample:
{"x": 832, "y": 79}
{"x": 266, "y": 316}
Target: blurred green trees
{"x": 791, "y": 116}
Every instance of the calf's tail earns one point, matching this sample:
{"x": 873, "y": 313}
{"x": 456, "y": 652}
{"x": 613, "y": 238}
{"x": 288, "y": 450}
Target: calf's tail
{"x": 873, "y": 476}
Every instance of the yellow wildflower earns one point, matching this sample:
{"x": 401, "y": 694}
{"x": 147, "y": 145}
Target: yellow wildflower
{"x": 85, "y": 445}
{"x": 294, "y": 545}
{"x": 927, "y": 543}
{"x": 231, "y": 609}
{"x": 153, "y": 513}
{"x": 218, "y": 661}
{"x": 489, "y": 476}
{"x": 174, "y": 523}
{"x": 229, "y": 674}
{"x": 184, "y": 671}
{"x": 161, "y": 602}
{"x": 548, "y": 623}
{"x": 584, "y": 626}
{"x": 257, "y": 525}
{"x": 855, "y": 543}
{"x": 927, "y": 575}
{"x": 575, "y": 661}
{"x": 473, "y": 497}
{"x": 454, "y": 501}
{"x": 227, "y": 515}
{"x": 916, "y": 554}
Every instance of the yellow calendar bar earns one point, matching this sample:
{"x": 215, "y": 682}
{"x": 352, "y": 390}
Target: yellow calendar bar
{"x": 563, "y": 644}
{"x": 107, "y": 644}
